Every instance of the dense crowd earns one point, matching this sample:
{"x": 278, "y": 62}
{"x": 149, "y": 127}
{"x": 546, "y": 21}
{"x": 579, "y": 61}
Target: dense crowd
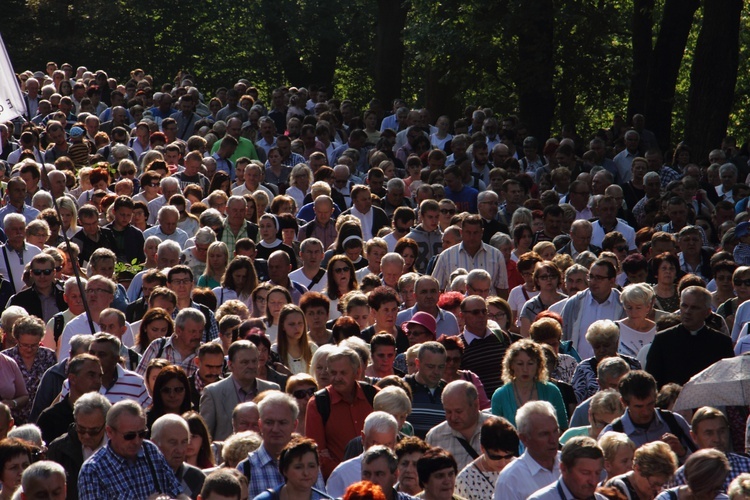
{"x": 220, "y": 297}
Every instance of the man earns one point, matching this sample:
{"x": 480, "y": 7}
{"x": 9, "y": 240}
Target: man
{"x": 171, "y": 434}
{"x": 170, "y": 186}
{"x": 219, "y": 399}
{"x": 552, "y": 219}
{"x": 112, "y": 321}
{"x": 347, "y": 407}
{"x": 427, "y": 387}
{"x": 185, "y": 117}
{"x": 608, "y": 222}
{"x": 624, "y": 158}
{"x": 92, "y": 235}
{"x": 643, "y": 423}
{"x": 100, "y": 292}
{"x": 210, "y": 362}
{"x": 167, "y": 256}
{"x": 181, "y": 347}
{"x": 44, "y": 298}
{"x": 600, "y": 182}
{"x": 167, "y": 228}
{"x": 473, "y": 253}
{"x": 246, "y": 417}
{"x": 488, "y": 203}
{"x": 600, "y": 301}
{"x": 402, "y": 222}
{"x": 483, "y": 346}
{"x": 192, "y": 174}
{"x": 278, "y": 419}
{"x": 288, "y": 157}
{"x": 245, "y": 147}
{"x": 147, "y": 471}
{"x": 322, "y": 227}
{"x": 59, "y": 146}
{"x": 310, "y": 273}
{"x": 609, "y": 372}
{"x": 680, "y": 352}
{"x": 693, "y": 257}
{"x": 279, "y": 268}
{"x": 380, "y": 467}
{"x": 394, "y": 197}
{"x": 514, "y": 195}
{"x": 579, "y": 193}
{"x": 380, "y": 429}
{"x": 373, "y": 219}
{"x": 180, "y": 280}
{"x": 539, "y": 466}
{"x": 465, "y": 197}
{"x": 135, "y": 310}
{"x": 44, "y": 479}
{"x": 128, "y": 239}
{"x": 31, "y": 98}
{"x": 710, "y": 429}
{"x": 117, "y": 383}
{"x": 195, "y": 256}
{"x": 221, "y": 484}
{"x": 655, "y": 161}
{"x": 235, "y": 226}
{"x": 232, "y": 109}
{"x": 677, "y": 212}
{"x": 427, "y": 234}
{"x": 459, "y": 434}
{"x": 581, "y": 465}
{"x": 580, "y": 240}
{"x": 17, "y": 202}
{"x": 598, "y": 146}
{"x": 427, "y": 292}
{"x": 84, "y": 376}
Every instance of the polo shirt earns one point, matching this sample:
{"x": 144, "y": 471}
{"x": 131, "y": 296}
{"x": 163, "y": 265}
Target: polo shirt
{"x": 523, "y": 476}
{"x": 447, "y": 324}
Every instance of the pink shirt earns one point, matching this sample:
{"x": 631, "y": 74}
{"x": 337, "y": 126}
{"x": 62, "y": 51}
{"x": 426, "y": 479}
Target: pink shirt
{"x": 11, "y": 381}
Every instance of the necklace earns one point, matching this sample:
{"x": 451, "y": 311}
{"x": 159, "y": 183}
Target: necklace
{"x": 519, "y": 401}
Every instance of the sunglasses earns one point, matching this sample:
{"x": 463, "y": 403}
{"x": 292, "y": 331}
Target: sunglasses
{"x": 303, "y": 393}
{"x": 340, "y": 270}
{"x": 172, "y": 390}
{"x": 58, "y": 268}
{"x": 90, "y": 432}
{"x": 492, "y": 456}
{"x": 153, "y": 185}
{"x": 39, "y": 272}
{"x": 476, "y": 312}
{"x": 447, "y": 211}
{"x": 739, "y": 282}
{"x": 129, "y": 436}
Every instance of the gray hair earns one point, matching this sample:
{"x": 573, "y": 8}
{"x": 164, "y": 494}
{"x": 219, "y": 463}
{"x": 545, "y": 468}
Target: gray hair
{"x": 168, "y": 209}
{"x": 392, "y": 258}
{"x": 279, "y": 398}
{"x": 632, "y": 132}
{"x": 433, "y": 347}
{"x": 612, "y": 367}
{"x": 236, "y": 199}
{"x": 42, "y": 194}
{"x": 650, "y": 175}
{"x": 308, "y": 242}
{"x": 114, "y": 343}
{"x": 80, "y": 343}
{"x": 607, "y": 401}
{"x": 380, "y": 422}
{"x": 210, "y": 217}
{"x": 575, "y": 269}
{"x": 581, "y": 224}
{"x": 700, "y": 291}
{"x": 499, "y": 239}
{"x": 407, "y": 281}
{"x": 637, "y": 294}
{"x": 169, "y": 182}
{"x": 380, "y": 451}
{"x": 477, "y": 275}
{"x": 487, "y": 194}
{"x": 392, "y": 400}
{"x": 345, "y": 353}
{"x": 395, "y": 183}
{"x": 237, "y": 446}
{"x": 126, "y": 406}
{"x": 27, "y": 432}
{"x": 205, "y": 236}
{"x": 469, "y": 389}
{"x": 524, "y": 414}
{"x": 72, "y": 282}
{"x": 10, "y": 218}
{"x": 603, "y": 331}
{"x": 99, "y": 255}
{"x": 168, "y": 246}
{"x": 41, "y": 471}
{"x": 10, "y": 316}
{"x": 189, "y": 314}
{"x": 111, "y": 285}
{"x": 164, "y": 422}
{"x": 91, "y": 402}
{"x": 728, "y": 167}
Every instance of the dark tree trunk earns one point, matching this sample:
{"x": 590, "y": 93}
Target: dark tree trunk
{"x": 642, "y": 27}
{"x": 713, "y": 76}
{"x": 283, "y": 48}
{"x": 389, "y": 49}
{"x": 677, "y": 20}
{"x": 441, "y": 97}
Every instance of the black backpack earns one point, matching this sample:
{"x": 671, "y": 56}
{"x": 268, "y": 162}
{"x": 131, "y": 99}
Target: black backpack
{"x": 323, "y": 400}
{"x": 671, "y": 422}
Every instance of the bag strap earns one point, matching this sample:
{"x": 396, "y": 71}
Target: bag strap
{"x": 162, "y": 344}
{"x": 676, "y": 429}
{"x": 7, "y": 266}
{"x": 316, "y": 279}
{"x": 57, "y": 326}
{"x": 469, "y": 449}
{"x": 153, "y": 471}
{"x": 323, "y": 404}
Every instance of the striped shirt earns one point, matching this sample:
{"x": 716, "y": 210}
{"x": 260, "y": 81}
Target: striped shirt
{"x": 483, "y": 356}
{"x": 487, "y": 257}
{"x": 127, "y": 385}
{"x": 426, "y": 407}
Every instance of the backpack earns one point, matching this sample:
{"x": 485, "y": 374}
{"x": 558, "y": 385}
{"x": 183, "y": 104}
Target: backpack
{"x": 671, "y": 422}
{"x": 323, "y": 400}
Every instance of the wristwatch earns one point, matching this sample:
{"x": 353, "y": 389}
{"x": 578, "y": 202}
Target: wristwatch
{"x": 15, "y": 404}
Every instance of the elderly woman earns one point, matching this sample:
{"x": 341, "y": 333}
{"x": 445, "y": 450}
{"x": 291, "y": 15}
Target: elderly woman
{"x": 604, "y": 337}
{"x": 15, "y": 457}
{"x": 434, "y": 470}
{"x": 705, "y": 472}
{"x": 299, "y": 465}
{"x": 739, "y": 489}
{"x": 618, "y": 453}
{"x": 604, "y": 408}
{"x": 318, "y": 365}
{"x": 523, "y": 293}
{"x": 664, "y": 268}
{"x": 723, "y": 271}
{"x": 547, "y": 280}
{"x": 32, "y": 359}
{"x": 636, "y": 329}
{"x": 525, "y": 379}
{"x": 301, "y": 387}
{"x": 499, "y": 443}
{"x": 549, "y": 331}
{"x": 741, "y": 286}
{"x": 653, "y": 466}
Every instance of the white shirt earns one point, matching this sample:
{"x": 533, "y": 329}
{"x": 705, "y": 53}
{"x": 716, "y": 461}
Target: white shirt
{"x": 628, "y": 232}
{"x": 345, "y": 473}
{"x": 594, "y": 311}
{"x": 178, "y": 236}
{"x": 559, "y": 491}
{"x": 80, "y": 326}
{"x": 153, "y": 208}
{"x": 298, "y": 276}
{"x": 242, "y": 190}
{"x": 524, "y": 476}
{"x": 366, "y": 220}
{"x": 624, "y": 161}
{"x": 17, "y": 263}
{"x": 391, "y": 241}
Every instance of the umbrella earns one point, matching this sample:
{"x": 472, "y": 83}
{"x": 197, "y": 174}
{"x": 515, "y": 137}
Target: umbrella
{"x": 724, "y": 383}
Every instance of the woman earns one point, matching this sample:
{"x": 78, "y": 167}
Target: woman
{"x": 348, "y": 242}
{"x": 258, "y": 298}
{"x": 636, "y": 330}
{"x": 503, "y": 243}
{"x": 437, "y": 471}
{"x": 15, "y": 457}
{"x": 299, "y": 465}
{"x": 408, "y": 451}
{"x": 217, "y": 259}
{"x": 653, "y": 466}
{"x": 69, "y": 216}
{"x": 156, "y": 323}
{"x": 548, "y": 331}
{"x": 269, "y": 368}
{"x": 545, "y": 249}
{"x": 526, "y": 379}
{"x": 277, "y": 298}
{"x": 299, "y": 183}
{"x": 318, "y": 366}
{"x": 316, "y": 307}
{"x": 32, "y": 359}
{"x": 723, "y": 271}
{"x": 409, "y": 250}
{"x": 498, "y": 310}
{"x": 547, "y": 280}
{"x": 447, "y": 212}
{"x": 604, "y": 408}
{"x": 454, "y": 347}
{"x": 739, "y": 489}
{"x": 681, "y": 157}
{"x": 270, "y": 239}
{"x": 301, "y": 387}
{"x": 523, "y": 293}
{"x": 220, "y": 182}
{"x": 12, "y": 388}
{"x": 741, "y": 286}
{"x": 171, "y": 394}
{"x": 370, "y": 119}
{"x": 499, "y": 444}
{"x": 102, "y": 263}
{"x": 522, "y": 238}
{"x": 198, "y": 453}
{"x": 664, "y": 269}
{"x": 294, "y": 349}
{"x": 342, "y": 279}
{"x": 705, "y": 472}
{"x": 238, "y": 282}
{"x": 618, "y": 453}
{"x": 251, "y": 213}
{"x": 276, "y": 172}
{"x": 140, "y": 216}
{"x": 155, "y": 366}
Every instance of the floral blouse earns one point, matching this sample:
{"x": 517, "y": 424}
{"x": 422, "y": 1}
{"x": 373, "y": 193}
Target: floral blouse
{"x": 45, "y": 358}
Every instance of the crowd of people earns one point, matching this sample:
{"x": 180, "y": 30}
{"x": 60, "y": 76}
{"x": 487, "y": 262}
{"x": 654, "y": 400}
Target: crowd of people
{"x": 215, "y": 296}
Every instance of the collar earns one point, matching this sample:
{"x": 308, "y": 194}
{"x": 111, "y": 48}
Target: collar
{"x": 237, "y": 386}
{"x": 535, "y": 467}
{"x": 336, "y": 396}
{"x": 593, "y": 301}
{"x": 471, "y": 337}
{"x": 358, "y": 213}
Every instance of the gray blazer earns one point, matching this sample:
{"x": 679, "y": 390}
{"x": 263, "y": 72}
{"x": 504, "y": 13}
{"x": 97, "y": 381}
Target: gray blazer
{"x": 218, "y": 401}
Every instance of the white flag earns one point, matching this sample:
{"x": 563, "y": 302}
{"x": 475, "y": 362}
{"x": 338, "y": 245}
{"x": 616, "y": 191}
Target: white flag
{"x": 12, "y": 104}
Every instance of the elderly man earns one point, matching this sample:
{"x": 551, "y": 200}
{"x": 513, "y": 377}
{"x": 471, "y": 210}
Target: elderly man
{"x": 581, "y": 465}
{"x": 91, "y": 236}
{"x": 16, "y": 252}
{"x": 117, "y": 383}
{"x": 380, "y": 466}
{"x": 380, "y": 429}
{"x": 394, "y": 196}
{"x": 220, "y": 398}
{"x": 17, "y": 201}
{"x": 472, "y": 253}
{"x": 103, "y": 475}
{"x": 167, "y": 255}
{"x": 336, "y": 414}
{"x": 182, "y": 346}
{"x": 459, "y": 434}
{"x": 100, "y": 292}
{"x": 608, "y": 222}
{"x": 427, "y": 292}
{"x": 84, "y": 376}
{"x": 323, "y": 226}
{"x": 253, "y": 175}
{"x": 44, "y": 479}
{"x": 83, "y": 438}
{"x": 580, "y": 240}
{"x": 609, "y": 372}
{"x": 246, "y": 417}
{"x": 624, "y": 158}
{"x": 373, "y": 219}
{"x": 167, "y": 228}
{"x": 488, "y": 203}
{"x": 680, "y": 352}
{"x": 169, "y": 187}
{"x": 692, "y": 256}
{"x": 44, "y": 298}
{"x": 539, "y": 466}
{"x": 427, "y": 387}
{"x": 171, "y": 434}
{"x": 235, "y": 226}
{"x": 195, "y": 257}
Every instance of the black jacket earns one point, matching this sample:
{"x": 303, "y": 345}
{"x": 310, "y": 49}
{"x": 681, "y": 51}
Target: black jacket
{"x": 567, "y": 249}
{"x": 68, "y": 452}
{"x": 29, "y": 300}
{"x": 379, "y": 219}
{"x": 55, "y": 420}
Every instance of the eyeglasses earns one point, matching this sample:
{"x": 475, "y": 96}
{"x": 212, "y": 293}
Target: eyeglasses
{"x": 28, "y": 346}
{"x": 739, "y": 282}
{"x": 185, "y": 281}
{"x": 340, "y": 270}
{"x": 129, "y": 436}
{"x": 546, "y": 277}
{"x": 412, "y": 332}
{"x": 476, "y": 312}
{"x": 153, "y": 185}
{"x": 39, "y": 272}
{"x": 303, "y": 393}
{"x": 90, "y": 432}
{"x": 492, "y": 456}
{"x": 596, "y": 277}
{"x": 447, "y": 211}
{"x": 94, "y": 291}
{"x": 173, "y": 390}
{"x": 58, "y": 268}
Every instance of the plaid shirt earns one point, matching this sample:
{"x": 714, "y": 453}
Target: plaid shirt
{"x": 738, "y": 464}
{"x": 264, "y": 472}
{"x": 169, "y": 353}
{"x": 213, "y": 326}
{"x": 108, "y": 475}
{"x": 667, "y": 175}
{"x": 229, "y": 238}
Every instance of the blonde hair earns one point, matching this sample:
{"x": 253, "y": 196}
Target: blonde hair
{"x": 611, "y": 442}
{"x": 655, "y": 458}
{"x": 542, "y": 246}
{"x": 603, "y": 332}
{"x": 534, "y": 351}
